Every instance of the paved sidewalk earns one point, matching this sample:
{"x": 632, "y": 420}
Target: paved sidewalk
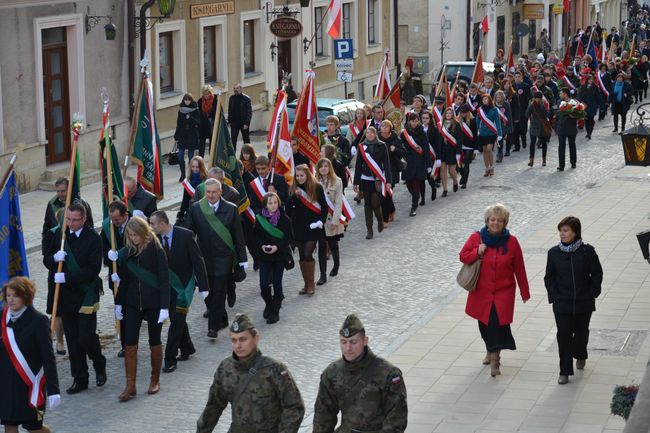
{"x": 449, "y": 390}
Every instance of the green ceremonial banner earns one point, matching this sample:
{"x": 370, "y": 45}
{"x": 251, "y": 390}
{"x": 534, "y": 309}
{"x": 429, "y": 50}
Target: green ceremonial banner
{"x": 222, "y": 155}
{"x": 116, "y": 174}
{"x": 146, "y": 145}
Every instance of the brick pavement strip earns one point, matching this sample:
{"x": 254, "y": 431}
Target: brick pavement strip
{"x": 398, "y": 282}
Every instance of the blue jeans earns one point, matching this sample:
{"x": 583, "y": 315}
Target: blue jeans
{"x": 181, "y": 158}
{"x": 271, "y": 271}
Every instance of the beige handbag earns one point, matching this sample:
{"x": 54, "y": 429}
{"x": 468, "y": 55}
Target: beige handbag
{"x": 468, "y": 275}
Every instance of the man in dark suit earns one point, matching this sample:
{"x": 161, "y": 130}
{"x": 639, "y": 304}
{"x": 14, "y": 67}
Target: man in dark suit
{"x": 240, "y": 113}
{"x": 186, "y": 268}
{"x": 265, "y": 182}
{"x": 139, "y": 198}
{"x": 79, "y": 294}
{"x": 217, "y": 226}
{"x": 521, "y": 128}
{"x": 118, "y": 216}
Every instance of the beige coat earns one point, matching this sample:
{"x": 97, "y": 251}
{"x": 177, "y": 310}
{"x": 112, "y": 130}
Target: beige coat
{"x": 334, "y": 194}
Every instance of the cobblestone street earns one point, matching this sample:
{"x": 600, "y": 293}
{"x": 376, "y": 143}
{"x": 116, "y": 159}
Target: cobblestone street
{"x": 396, "y": 282}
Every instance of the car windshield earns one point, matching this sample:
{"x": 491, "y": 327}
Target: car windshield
{"x": 322, "y": 114}
{"x": 466, "y": 72}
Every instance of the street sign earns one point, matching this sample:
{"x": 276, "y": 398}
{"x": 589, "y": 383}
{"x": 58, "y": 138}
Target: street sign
{"x": 346, "y": 77}
{"x": 343, "y": 49}
{"x": 343, "y": 65}
{"x": 522, "y": 30}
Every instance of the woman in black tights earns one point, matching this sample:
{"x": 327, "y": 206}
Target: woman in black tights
{"x": 307, "y": 209}
{"x": 372, "y": 176}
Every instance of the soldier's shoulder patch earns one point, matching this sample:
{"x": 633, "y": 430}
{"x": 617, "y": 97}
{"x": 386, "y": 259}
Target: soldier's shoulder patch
{"x": 284, "y": 373}
{"x": 396, "y": 380}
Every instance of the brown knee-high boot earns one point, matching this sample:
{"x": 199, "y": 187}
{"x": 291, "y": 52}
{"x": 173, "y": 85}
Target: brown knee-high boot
{"x": 310, "y": 268}
{"x": 131, "y": 367}
{"x": 303, "y": 271}
{"x": 156, "y": 365}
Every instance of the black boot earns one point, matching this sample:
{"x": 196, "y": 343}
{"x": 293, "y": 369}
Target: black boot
{"x": 434, "y": 192}
{"x": 337, "y": 260}
{"x": 322, "y": 266}
{"x": 268, "y": 299}
{"x": 414, "y": 205}
{"x": 274, "y": 315}
{"x": 368, "y": 214}
{"x": 380, "y": 219}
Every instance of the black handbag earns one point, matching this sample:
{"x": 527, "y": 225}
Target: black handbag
{"x": 289, "y": 263}
{"x": 172, "y": 157}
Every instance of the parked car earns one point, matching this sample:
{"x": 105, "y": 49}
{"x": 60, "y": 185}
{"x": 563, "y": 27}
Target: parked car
{"x": 466, "y": 70}
{"x": 344, "y": 109}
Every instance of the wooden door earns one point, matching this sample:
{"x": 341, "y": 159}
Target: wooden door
{"x": 284, "y": 59}
{"x": 56, "y": 102}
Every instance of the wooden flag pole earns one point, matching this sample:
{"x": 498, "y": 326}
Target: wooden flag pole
{"x": 217, "y": 118}
{"x": 76, "y": 127}
{"x": 134, "y": 123}
{"x": 7, "y": 173}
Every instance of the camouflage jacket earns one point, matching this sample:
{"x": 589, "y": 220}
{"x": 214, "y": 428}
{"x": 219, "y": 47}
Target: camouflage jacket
{"x": 370, "y": 394}
{"x": 271, "y": 403}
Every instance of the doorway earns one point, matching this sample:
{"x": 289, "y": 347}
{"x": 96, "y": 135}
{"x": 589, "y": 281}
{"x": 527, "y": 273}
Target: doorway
{"x": 55, "y": 92}
{"x": 284, "y": 59}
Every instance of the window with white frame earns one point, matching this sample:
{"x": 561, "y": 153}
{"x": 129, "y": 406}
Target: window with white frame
{"x": 249, "y": 47}
{"x": 374, "y": 14}
{"x": 166, "y": 62}
{"x": 170, "y": 61}
{"x": 346, "y": 20}
{"x": 213, "y": 50}
{"x": 319, "y": 39}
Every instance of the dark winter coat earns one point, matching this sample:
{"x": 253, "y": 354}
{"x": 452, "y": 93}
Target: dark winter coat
{"x": 573, "y": 280}
{"x": 187, "y": 126}
{"x": 144, "y": 201}
{"x": 240, "y": 110}
{"x": 536, "y": 113}
{"x": 262, "y": 237}
{"x": 566, "y": 125}
{"x": 301, "y": 217}
{"x": 394, "y": 155}
{"x": 32, "y": 334}
{"x": 624, "y": 106}
{"x": 137, "y": 293}
{"x": 590, "y": 95}
{"x": 377, "y": 151}
{"x": 417, "y": 163}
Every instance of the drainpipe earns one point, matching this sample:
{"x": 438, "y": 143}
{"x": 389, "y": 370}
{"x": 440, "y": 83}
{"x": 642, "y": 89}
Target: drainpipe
{"x": 130, "y": 24}
{"x": 468, "y": 20}
{"x": 396, "y": 41}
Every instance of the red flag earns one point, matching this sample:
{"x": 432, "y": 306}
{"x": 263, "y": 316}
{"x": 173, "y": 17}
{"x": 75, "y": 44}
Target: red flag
{"x": 566, "y": 62}
{"x": 511, "y": 61}
{"x": 477, "y": 76}
{"x": 334, "y": 19}
{"x": 392, "y": 100}
{"x": 305, "y": 126}
{"x": 274, "y": 126}
{"x": 484, "y": 25}
{"x": 448, "y": 100}
{"x": 566, "y": 6}
{"x": 278, "y": 141}
{"x": 383, "y": 81}
{"x": 580, "y": 50}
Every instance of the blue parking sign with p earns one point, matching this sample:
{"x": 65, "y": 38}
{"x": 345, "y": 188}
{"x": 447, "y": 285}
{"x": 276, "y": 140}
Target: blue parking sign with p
{"x": 343, "y": 49}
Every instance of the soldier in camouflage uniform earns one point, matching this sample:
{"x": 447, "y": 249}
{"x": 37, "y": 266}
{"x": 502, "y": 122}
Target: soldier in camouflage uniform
{"x": 262, "y": 393}
{"x": 368, "y": 390}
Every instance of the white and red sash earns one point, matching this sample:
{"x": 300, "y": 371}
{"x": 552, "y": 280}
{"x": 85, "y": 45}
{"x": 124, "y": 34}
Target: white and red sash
{"x": 602, "y": 85}
{"x": 347, "y": 210}
{"x": 35, "y": 382}
{"x": 502, "y": 116}
{"x": 374, "y": 167}
{"x": 411, "y": 142}
{"x": 438, "y": 115}
{"x": 257, "y": 185}
{"x": 432, "y": 153}
{"x": 355, "y": 129}
{"x": 330, "y": 210}
{"x": 449, "y": 137}
{"x": 568, "y": 82}
{"x": 250, "y": 214}
{"x": 313, "y": 206}
{"x": 467, "y": 131}
{"x": 473, "y": 102}
{"x": 188, "y": 187}
{"x": 489, "y": 123}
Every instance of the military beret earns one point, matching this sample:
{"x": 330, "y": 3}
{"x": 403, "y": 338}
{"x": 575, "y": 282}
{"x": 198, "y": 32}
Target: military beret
{"x": 352, "y": 325}
{"x": 241, "y": 323}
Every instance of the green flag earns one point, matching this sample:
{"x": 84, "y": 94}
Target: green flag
{"x": 222, "y": 155}
{"x": 116, "y": 175}
{"x": 146, "y": 144}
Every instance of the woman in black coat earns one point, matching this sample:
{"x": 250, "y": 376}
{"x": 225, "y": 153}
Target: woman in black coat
{"x": 435, "y": 140}
{"x": 470, "y": 142}
{"x": 187, "y": 130}
{"x": 372, "y": 155}
{"x": 395, "y": 154}
{"x": 589, "y": 93}
{"x": 273, "y": 235}
{"x": 31, "y": 332}
{"x": 573, "y": 280}
{"x": 144, "y": 295}
{"x": 620, "y": 98}
{"x": 418, "y": 159}
{"x": 307, "y": 209}
{"x": 207, "y": 110}
{"x": 450, "y": 149}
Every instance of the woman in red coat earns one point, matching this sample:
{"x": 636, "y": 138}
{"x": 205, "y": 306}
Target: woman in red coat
{"x": 492, "y": 303}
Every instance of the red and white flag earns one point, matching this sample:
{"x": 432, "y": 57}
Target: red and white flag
{"x": 392, "y": 100}
{"x": 334, "y": 19}
{"x": 484, "y": 25}
{"x": 383, "y": 81}
{"x": 305, "y": 126}
{"x": 278, "y": 142}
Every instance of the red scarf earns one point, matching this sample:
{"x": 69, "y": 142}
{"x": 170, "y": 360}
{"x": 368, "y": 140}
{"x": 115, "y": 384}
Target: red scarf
{"x": 206, "y": 105}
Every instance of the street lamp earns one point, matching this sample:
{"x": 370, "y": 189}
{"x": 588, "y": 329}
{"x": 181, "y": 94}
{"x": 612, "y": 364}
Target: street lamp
{"x": 636, "y": 140}
{"x": 144, "y": 23}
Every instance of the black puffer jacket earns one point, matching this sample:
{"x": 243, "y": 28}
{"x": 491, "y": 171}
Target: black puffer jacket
{"x": 573, "y": 280}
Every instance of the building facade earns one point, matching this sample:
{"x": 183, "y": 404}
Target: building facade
{"x": 52, "y": 66}
{"x": 228, "y": 42}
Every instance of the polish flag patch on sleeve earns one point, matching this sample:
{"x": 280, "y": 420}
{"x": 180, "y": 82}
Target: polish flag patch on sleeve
{"x": 396, "y": 380}
{"x": 284, "y": 374}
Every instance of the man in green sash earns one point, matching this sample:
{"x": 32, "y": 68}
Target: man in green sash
{"x": 79, "y": 294}
{"x": 186, "y": 268}
{"x": 217, "y": 226}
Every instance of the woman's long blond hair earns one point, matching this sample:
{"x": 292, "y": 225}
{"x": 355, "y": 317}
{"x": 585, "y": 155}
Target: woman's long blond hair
{"x": 140, "y": 227}
{"x": 331, "y": 176}
{"x": 310, "y": 185}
